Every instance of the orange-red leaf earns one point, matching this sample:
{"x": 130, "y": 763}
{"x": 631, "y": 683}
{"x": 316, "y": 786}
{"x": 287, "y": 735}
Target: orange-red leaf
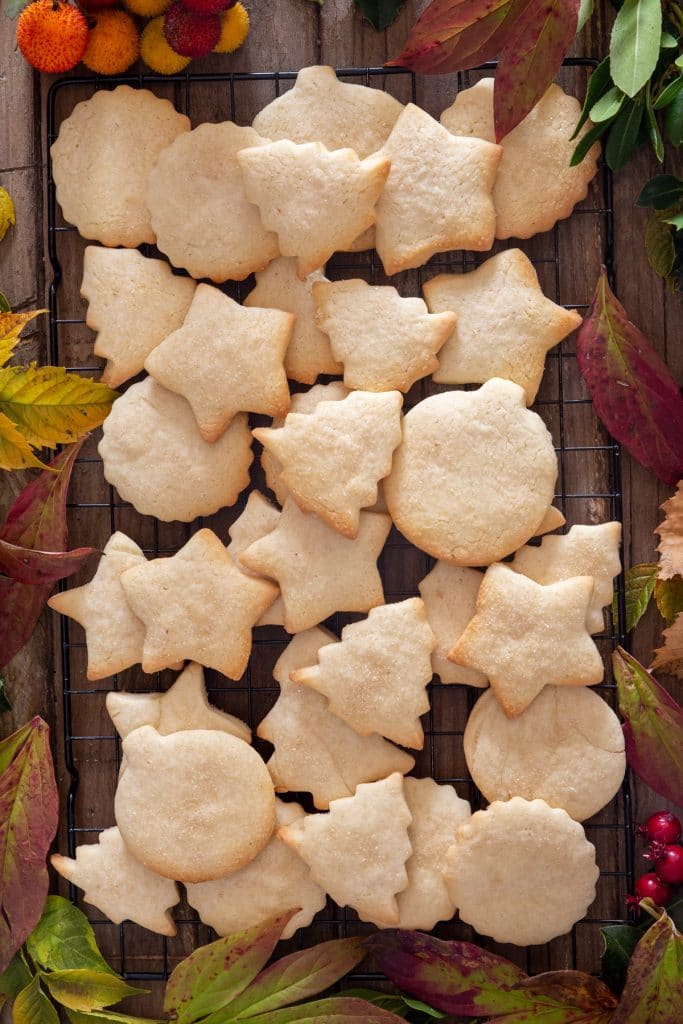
{"x": 452, "y": 35}
{"x": 671, "y": 536}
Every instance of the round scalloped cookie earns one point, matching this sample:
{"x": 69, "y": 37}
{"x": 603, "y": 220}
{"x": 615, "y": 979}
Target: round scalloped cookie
{"x": 474, "y": 474}
{"x": 566, "y": 748}
{"x": 521, "y": 872}
{"x": 194, "y": 805}
{"x": 535, "y": 186}
{"x": 155, "y": 457}
{"x": 102, "y": 158}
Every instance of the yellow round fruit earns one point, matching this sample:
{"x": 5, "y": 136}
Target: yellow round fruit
{"x": 156, "y": 52}
{"x": 234, "y": 29}
{"x": 113, "y": 43}
{"x": 147, "y": 8}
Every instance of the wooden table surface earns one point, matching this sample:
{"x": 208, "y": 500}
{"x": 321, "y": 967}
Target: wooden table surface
{"x": 288, "y": 35}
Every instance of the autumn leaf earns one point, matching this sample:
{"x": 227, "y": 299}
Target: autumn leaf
{"x": 456, "y": 977}
{"x": 639, "y": 585}
{"x": 334, "y": 1010}
{"x": 7, "y": 215}
{"x": 669, "y": 598}
{"x": 669, "y": 658}
{"x": 653, "y": 727}
{"x": 670, "y": 532}
{"x": 15, "y": 451}
{"x": 299, "y": 976}
{"x": 28, "y": 823}
{"x": 531, "y": 57}
{"x": 562, "y": 997}
{"x": 36, "y": 521}
{"x": 33, "y": 1007}
{"x": 621, "y": 940}
{"x": 64, "y": 939}
{"x": 652, "y": 994}
{"x": 11, "y": 326}
{"x": 214, "y": 975}
{"x": 108, "y": 1017}
{"x": 50, "y": 406}
{"x": 86, "y": 989}
{"x": 633, "y": 392}
{"x": 40, "y": 567}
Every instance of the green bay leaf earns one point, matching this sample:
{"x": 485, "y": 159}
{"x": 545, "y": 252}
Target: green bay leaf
{"x": 634, "y": 44}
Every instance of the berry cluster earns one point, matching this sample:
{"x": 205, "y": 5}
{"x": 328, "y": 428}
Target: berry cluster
{"x": 54, "y": 35}
{"x": 662, "y": 831}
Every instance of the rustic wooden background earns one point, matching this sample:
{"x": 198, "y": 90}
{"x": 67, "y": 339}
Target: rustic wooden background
{"x": 286, "y": 36}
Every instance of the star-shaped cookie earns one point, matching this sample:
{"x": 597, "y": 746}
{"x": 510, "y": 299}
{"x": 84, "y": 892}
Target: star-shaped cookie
{"x": 357, "y": 851}
{"x": 384, "y": 341}
{"x": 258, "y": 519}
{"x": 438, "y": 195}
{"x": 319, "y": 571}
{"x": 450, "y": 593}
{"x": 275, "y": 881}
{"x": 584, "y": 551}
{"x": 375, "y": 678}
{"x": 333, "y": 458}
{"x": 184, "y": 706}
{"x": 536, "y": 184}
{"x": 279, "y": 287}
{"x": 197, "y": 605}
{"x": 505, "y": 323}
{"x": 225, "y": 359}
{"x": 320, "y": 108}
{"x": 316, "y": 751}
{"x": 316, "y": 200}
{"x": 119, "y": 885}
{"x": 133, "y": 304}
{"x": 113, "y": 633}
{"x": 525, "y": 636}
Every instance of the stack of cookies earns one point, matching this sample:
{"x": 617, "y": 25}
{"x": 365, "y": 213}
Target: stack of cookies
{"x": 467, "y": 476}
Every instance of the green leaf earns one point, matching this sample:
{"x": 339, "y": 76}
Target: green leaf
{"x": 15, "y": 7}
{"x": 28, "y": 823}
{"x": 652, "y": 994}
{"x": 334, "y": 1010}
{"x": 668, "y": 94}
{"x": 669, "y": 598}
{"x": 598, "y": 83}
{"x": 51, "y": 406}
{"x": 85, "y": 989}
{"x": 380, "y": 13}
{"x": 661, "y": 192}
{"x": 659, "y": 246}
{"x": 675, "y": 220}
{"x": 33, "y": 1007}
{"x": 623, "y": 135}
{"x": 620, "y": 941}
{"x": 585, "y": 12}
{"x": 652, "y": 127}
{"x": 16, "y": 977}
{"x": 679, "y": 61}
{"x": 639, "y": 585}
{"x": 653, "y": 727}
{"x": 64, "y": 940}
{"x": 673, "y": 121}
{"x": 634, "y": 44}
{"x": 668, "y": 42}
{"x": 4, "y": 304}
{"x": 562, "y": 997}
{"x": 394, "y": 1002}
{"x": 587, "y": 141}
{"x": 299, "y": 976}
{"x": 429, "y": 1011}
{"x": 5, "y": 703}
{"x": 608, "y": 106}
{"x": 214, "y": 975}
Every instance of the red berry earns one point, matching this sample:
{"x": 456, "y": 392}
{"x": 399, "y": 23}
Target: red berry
{"x": 661, "y": 827}
{"x": 669, "y": 865}
{"x": 209, "y": 6}
{"x": 650, "y": 885}
{"x": 191, "y": 34}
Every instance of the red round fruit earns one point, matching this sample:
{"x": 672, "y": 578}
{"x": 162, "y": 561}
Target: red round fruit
{"x": 191, "y": 34}
{"x": 661, "y": 827}
{"x": 650, "y": 886}
{"x": 209, "y": 6}
{"x": 669, "y": 866}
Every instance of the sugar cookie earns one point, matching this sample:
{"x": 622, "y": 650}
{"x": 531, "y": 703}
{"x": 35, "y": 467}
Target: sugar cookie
{"x": 450, "y": 593}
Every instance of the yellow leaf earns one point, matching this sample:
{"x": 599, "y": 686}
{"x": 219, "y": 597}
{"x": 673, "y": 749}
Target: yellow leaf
{"x": 671, "y": 536}
{"x": 15, "y": 451}
{"x": 50, "y": 406}
{"x": 6, "y": 212}
{"x": 669, "y": 658}
{"x": 11, "y": 326}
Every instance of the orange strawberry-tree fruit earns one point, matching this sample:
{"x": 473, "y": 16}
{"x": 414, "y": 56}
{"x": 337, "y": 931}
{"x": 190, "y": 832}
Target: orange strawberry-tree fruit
{"x": 52, "y": 35}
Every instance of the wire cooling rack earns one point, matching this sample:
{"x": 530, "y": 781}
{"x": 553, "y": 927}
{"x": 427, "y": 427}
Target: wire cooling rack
{"x": 567, "y": 260}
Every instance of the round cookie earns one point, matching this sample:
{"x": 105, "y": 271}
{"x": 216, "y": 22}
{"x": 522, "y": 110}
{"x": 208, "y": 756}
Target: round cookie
{"x": 474, "y": 475}
{"x": 535, "y": 186}
{"x": 102, "y": 158}
{"x": 567, "y": 748}
{"x": 199, "y": 207}
{"x": 521, "y": 872}
{"x": 155, "y": 457}
{"x": 195, "y": 805}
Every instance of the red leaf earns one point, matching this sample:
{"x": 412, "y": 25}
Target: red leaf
{"x": 653, "y": 727}
{"x": 568, "y": 996}
{"x": 37, "y": 520}
{"x": 28, "y": 823}
{"x": 40, "y": 567}
{"x": 652, "y": 994}
{"x": 456, "y": 977}
{"x": 633, "y": 392}
{"x": 534, "y": 49}
{"x": 453, "y": 35}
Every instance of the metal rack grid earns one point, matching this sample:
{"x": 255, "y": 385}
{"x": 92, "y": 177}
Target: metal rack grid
{"x": 583, "y": 450}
